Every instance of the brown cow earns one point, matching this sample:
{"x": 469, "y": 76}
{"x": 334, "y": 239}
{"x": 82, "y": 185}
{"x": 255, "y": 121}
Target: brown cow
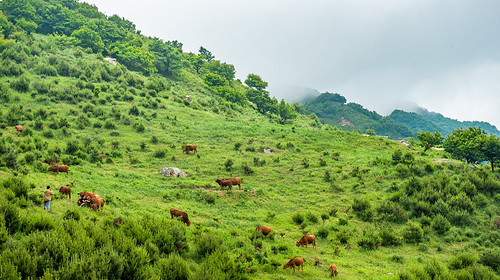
{"x": 51, "y": 160}
{"x": 97, "y": 202}
{"x": 333, "y": 270}
{"x": 19, "y": 129}
{"x": 59, "y": 168}
{"x": 190, "y": 148}
{"x": 307, "y": 239}
{"x": 295, "y": 262}
{"x": 65, "y": 190}
{"x": 229, "y": 182}
{"x": 180, "y": 213}
{"x": 265, "y": 230}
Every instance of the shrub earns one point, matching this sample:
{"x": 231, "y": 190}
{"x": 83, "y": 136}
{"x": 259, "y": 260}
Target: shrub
{"x": 154, "y": 139}
{"x": 71, "y": 214}
{"x": 298, "y": 218}
{"x": 413, "y": 232}
{"x": 491, "y": 258}
{"x": 220, "y": 265}
{"x": 207, "y": 244}
{"x": 462, "y": 260}
{"x": 322, "y": 232}
{"x": 173, "y": 267}
{"x": 21, "y": 84}
{"x": 312, "y": 218}
{"x": 440, "y": 224}
{"x": 139, "y": 126}
{"x": 109, "y": 124}
{"x": 159, "y": 154}
{"x": 369, "y": 239}
{"x": 389, "y": 237}
{"x": 17, "y": 185}
{"x": 362, "y": 208}
{"x": 229, "y": 164}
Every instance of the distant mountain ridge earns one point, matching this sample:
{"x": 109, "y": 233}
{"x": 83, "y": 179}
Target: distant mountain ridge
{"x": 333, "y": 109}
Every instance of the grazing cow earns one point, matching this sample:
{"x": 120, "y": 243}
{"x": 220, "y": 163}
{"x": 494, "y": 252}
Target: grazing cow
{"x": 97, "y": 202}
{"x": 50, "y": 161}
{"x": 65, "y": 190}
{"x": 190, "y": 148}
{"x": 333, "y": 270}
{"x": 59, "y": 168}
{"x": 229, "y": 182}
{"x": 295, "y": 262}
{"x": 265, "y": 230}
{"x": 180, "y": 213}
{"x": 19, "y": 129}
{"x": 307, "y": 239}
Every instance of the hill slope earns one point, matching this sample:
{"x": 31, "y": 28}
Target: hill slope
{"x": 378, "y": 209}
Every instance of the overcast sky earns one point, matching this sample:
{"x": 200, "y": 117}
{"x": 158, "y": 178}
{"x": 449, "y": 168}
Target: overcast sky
{"x": 443, "y": 55}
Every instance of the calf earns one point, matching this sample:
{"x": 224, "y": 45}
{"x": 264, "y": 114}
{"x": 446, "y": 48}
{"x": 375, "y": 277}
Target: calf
{"x": 307, "y": 239}
{"x": 97, "y": 203}
{"x": 333, "y": 270}
{"x": 265, "y": 230}
{"x": 19, "y": 129}
{"x": 65, "y": 190}
{"x": 190, "y": 148}
{"x": 295, "y": 262}
{"x": 59, "y": 168}
{"x": 180, "y": 213}
{"x": 229, "y": 182}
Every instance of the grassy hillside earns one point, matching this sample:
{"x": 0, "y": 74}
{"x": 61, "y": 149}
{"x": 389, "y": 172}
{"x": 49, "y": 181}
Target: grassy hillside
{"x": 117, "y": 128}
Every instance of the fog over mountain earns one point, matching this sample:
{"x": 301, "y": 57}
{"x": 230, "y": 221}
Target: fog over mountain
{"x": 441, "y": 55}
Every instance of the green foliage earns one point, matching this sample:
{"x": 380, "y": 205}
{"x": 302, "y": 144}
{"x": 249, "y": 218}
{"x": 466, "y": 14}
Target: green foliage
{"x": 298, "y": 218}
{"x": 207, "y": 244}
{"x": 413, "y": 232}
{"x": 173, "y": 267}
{"x": 462, "y": 260}
{"x": 88, "y": 38}
{"x": 362, "y": 208}
{"x": 429, "y": 140}
{"x": 440, "y": 224}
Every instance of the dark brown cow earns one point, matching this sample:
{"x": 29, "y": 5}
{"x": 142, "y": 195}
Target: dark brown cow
{"x": 50, "y": 161}
{"x": 59, "y": 168}
{"x": 229, "y": 182}
{"x": 19, "y": 129}
{"x": 97, "y": 203}
{"x": 190, "y": 148}
{"x": 65, "y": 190}
{"x": 295, "y": 262}
{"x": 307, "y": 239}
{"x": 265, "y": 230}
{"x": 333, "y": 270}
{"x": 180, "y": 213}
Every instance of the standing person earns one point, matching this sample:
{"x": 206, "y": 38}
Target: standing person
{"x": 47, "y": 196}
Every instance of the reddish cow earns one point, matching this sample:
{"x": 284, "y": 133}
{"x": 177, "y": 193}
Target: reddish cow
{"x": 295, "y": 262}
{"x": 59, "y": 168}
{"x": 190, "y": 148}
{"x": 180, "y": 213}
{"x": 265, "y": 230}
{"x": 307, "y": 239}
{"x": 97, "y": 202}
{"x": 333, "y": 270}
{"x": 65, "y": 190}
{"x": 229, "y": 182}
{"x": 19, "y": 129}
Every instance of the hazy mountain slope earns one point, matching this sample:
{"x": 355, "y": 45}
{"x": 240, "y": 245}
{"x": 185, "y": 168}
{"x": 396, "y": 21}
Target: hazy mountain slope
{"x": 332, "y": 109}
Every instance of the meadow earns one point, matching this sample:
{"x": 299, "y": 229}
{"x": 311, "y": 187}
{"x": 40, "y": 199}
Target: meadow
{"x": 379, "y": 209}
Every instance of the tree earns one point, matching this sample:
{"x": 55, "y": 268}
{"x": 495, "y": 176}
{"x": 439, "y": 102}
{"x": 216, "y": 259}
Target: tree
{"x": 255, "y": 81}
{"x": 429, "y": 140}
{"x": 168, "y": 58}
{"x": 27, "y": 26}
{"x": 225, "y": 70}
{"x": 214, "y": 80}
{"x": 88, "y": 38}
{"x": 466, "y": 144}
{"x": 206, "y": 54}
{"x": 491, "y": 149}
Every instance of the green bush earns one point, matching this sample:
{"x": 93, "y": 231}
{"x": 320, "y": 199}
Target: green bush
{"x": 298, "y": 218}
{"x": 322, "y": 232}
{"x": 491, "y": 258}
{"x": 173, "y": 267}
{"x": 17, "y": 185}
{"x": 312, "y": 218}
{"x": 362, "y": 208}
{"x": 369, "y": 239}
{"x": 71, "y": 214}
{"x": 413, "y": 232}
{"x": 207, "y": 244}
{"x": 462, "y": 260}
{"x": 440, "y": 224}
{"x": 221, "y": 265}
